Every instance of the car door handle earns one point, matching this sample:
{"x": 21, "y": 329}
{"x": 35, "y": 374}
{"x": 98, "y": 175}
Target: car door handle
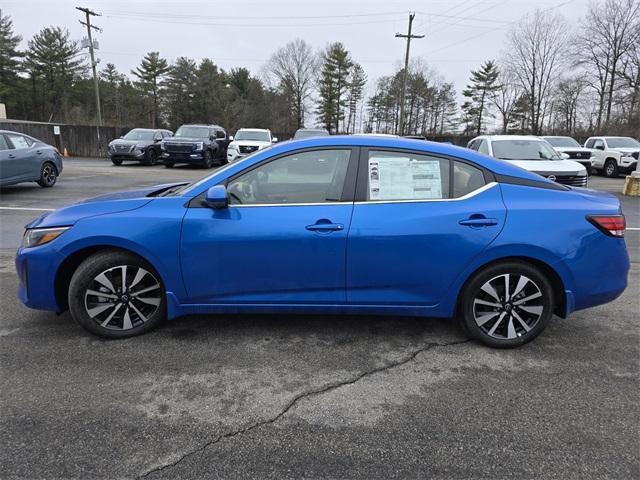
{"x": 39, "y": 152}
{"x": 11, "y": 155}
{"x": 325, "y": 227}
{"x": 478, "y": 221}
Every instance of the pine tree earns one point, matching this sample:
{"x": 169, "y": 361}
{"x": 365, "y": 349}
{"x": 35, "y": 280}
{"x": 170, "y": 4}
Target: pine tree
{"x": 357, "y": 80}
{"x": 336, "y": 67}
{"x": 9, "y": 59}
{"x": 54, "y": 65}
{"x": 180, "y": 91}
{"x": 482, "y": 87}
{"x": 150, "y": 73}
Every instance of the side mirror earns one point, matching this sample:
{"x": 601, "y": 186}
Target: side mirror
{"x": 565, "y": 156}
{"x": 216, "y": 197}
{"x": 231, "y": 138}
{"x": 121, "y": 136}
{"x": 599, "y": 147}
{"x": 274, "y": 139}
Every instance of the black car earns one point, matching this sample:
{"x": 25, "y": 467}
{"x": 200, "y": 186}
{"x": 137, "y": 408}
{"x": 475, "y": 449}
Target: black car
{"x": 139, "y": 145}
{"x": 196, "y": 144}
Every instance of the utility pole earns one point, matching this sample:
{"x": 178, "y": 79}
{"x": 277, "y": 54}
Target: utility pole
{"x": 408, "y": 36}
{"x": 89, "y": 13}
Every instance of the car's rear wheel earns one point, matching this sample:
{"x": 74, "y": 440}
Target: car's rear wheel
{"x": 610, "y": 168}
{"x": 116, "y": 161}
{"x": 48, "y": 175}
{"x": 507, "y": 305}
{"x": 116, "y": 294}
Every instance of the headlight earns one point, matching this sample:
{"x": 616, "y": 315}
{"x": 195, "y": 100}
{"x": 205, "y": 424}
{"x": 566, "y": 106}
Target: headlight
{"x": 199, "y": 146}
{"x": 34, "y": 237}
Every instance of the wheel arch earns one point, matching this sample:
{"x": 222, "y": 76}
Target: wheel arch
{"x": 71, "y": 263}
{"x": 560, "y": 297}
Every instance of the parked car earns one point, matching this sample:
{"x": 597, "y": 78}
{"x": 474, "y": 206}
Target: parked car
{"x": 249, "y": 140}
{"x": 533, "y": 154}
{"x": 27, "y": 159}
{"x": 415, "y": 137}
{"x": 572, "y": 149}
{"x": 345, "y": 224}
{"x": 614, "y": 155}
{"x": 310, "y": 132}
{"x": 196, "y": 144}
{"x": 139, "y": 145}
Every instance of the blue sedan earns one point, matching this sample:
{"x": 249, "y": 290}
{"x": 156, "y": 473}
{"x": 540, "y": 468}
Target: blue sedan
{"x": 334, "y": 225}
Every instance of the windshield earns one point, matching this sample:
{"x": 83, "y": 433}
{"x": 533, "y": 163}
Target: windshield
{"x": 310, "y": 133}
{"x": 137, "y": 134}
{"x": 255, "y": 135}
{"x": 192, "y": 132}
{"x": 622, "y": 142}
{"x": 562, "y": 142}
{"x": 191, "y": 186}
{"x": 524, "y": 150}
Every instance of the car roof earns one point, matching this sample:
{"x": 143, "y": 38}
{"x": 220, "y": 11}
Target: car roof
{"x": 512, "y": 137}
{"x": 556, "y": 136}
{"x": 200, "y": 125}
{"x": 312, "y": 129}
{"x": 254, "y": 129}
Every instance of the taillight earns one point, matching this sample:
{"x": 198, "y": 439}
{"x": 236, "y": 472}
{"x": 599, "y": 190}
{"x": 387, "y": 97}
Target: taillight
{"x": 613, "y": 225}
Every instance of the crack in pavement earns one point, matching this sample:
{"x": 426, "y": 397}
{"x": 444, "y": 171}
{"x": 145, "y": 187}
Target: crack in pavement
{"x": 296, "y": 400}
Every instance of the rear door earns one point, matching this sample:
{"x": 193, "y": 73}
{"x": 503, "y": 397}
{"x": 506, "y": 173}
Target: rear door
{"x": 418, "y": 221}
{"x": 22, "y": 163}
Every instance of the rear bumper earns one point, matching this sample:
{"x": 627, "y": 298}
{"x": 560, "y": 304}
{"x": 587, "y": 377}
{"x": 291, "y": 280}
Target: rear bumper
{"x": 597, "y": 273}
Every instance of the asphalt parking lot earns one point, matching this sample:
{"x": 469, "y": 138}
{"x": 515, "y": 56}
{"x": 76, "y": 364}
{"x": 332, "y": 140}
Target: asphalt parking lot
{"x": 308, "y": 396}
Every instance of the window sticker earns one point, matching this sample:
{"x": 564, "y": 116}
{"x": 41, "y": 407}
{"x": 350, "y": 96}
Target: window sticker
{"x": 394, "y": 178}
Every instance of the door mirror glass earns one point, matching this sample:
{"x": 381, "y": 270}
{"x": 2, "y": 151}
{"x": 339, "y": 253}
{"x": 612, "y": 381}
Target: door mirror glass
{"x": 599, "y": 146}
{"x": 231, "y": 138}
{"x": 216, "y": 197}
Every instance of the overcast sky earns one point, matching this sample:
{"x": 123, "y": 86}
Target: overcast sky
{"x": 460, "y": 34}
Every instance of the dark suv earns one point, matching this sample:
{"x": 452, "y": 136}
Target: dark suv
{"x": 139, "y": 145}
{"x": 197, "y": 144}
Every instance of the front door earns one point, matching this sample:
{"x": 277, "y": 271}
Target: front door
{"x": 281, "y": 240}
{"x": 418, "y": 221}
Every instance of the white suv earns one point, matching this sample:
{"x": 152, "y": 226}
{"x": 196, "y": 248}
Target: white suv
{"x": 614, "y": 155}
{"x": 533, "y": 154}
{"x": 249, "y": 140}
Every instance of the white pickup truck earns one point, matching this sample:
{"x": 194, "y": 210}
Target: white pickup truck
{"x": 613, "y": 155}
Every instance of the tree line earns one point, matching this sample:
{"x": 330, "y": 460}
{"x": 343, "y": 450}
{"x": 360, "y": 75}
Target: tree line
{"x": 552, "y": 78}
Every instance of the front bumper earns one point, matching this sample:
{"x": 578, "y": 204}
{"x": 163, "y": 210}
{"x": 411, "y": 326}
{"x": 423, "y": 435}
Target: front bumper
{"x": 36, "y": 269}
{"x": 135, "y": 155}
{"x": 195, "y": 157}
{"x": 628, "y": 164}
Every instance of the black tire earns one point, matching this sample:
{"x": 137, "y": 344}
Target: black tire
{"x": 168, "y": 164}
{"x": 103, "y": 308}
{"x": 610, "y": 169}
{"x": 151, "y": 158}
{"x": 116, "y": 161}
{"x": 207, "y": 161}
{"x": 48, "y": 175}
{"x": 502, "y": 324}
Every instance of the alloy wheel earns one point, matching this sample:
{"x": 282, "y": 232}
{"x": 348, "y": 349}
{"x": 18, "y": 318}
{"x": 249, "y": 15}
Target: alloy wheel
{"x": 508, "y": 306}
{"x": 49, "y": 174}
{"x": 122, "y": 297}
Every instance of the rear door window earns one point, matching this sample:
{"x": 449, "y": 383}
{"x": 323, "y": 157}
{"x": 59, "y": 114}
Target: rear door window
{"x": 400, "y": 176}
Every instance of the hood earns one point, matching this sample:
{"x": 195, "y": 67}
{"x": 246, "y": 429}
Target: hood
{"x": 565, "y": 167}
{"x": 101, "y": 205}
{"x": 129, "y": 143}
{"x": 627, "y": 151}
{"x": 184, "y": 140}
{"x": 251, "y": 143}
{"x": 572, "y": 149}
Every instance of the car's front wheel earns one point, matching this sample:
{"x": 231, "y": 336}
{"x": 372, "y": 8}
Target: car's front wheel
{"x": 48, "y": 175}
{"x": 507, "y": 305}
{"x": 151, "y": 158}
{"x": 116, "y": 294}
{"x": 207, "y": 161}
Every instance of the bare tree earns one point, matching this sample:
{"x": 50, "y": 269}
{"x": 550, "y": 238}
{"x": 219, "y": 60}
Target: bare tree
{"x": 567, "y": 96}
{"x": 294, "y": 67}
{"x": 506, "y": 97}
{"x": 536, "y": 50}
{"x": 610, "y": 31}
